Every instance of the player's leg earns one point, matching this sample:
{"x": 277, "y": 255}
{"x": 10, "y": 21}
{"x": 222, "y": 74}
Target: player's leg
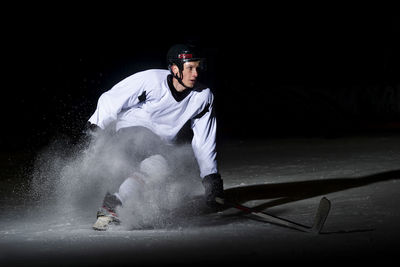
{"x": 131, "y": 188}
{"x": 152, "y": 174}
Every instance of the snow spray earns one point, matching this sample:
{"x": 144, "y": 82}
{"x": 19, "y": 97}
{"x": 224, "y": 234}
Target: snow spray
{"x": 71, "y": 181}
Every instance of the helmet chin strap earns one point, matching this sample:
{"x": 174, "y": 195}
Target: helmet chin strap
{"x": 180, "y": 79}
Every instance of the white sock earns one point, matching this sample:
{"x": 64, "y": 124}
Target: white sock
{"x": 131, "y": 188}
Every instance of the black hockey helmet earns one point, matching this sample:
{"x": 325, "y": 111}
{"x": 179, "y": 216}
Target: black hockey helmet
{"x": 180, "y": 53}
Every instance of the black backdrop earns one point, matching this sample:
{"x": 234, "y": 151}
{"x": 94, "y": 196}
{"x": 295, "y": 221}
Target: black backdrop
{"x": 274, "y": 74}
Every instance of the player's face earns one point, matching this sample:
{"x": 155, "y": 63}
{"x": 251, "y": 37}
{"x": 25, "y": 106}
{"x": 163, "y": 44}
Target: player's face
{"x": 190, "y": 73}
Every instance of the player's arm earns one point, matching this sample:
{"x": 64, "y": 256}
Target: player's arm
{"x": 123, "y": 95}
{"x": 204, "y": 127}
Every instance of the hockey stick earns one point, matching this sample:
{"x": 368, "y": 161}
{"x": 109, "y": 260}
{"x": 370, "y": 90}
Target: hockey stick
{"x": 319, "y": 221}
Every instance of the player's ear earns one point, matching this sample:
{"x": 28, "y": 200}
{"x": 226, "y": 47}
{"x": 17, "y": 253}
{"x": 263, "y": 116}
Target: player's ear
{"x": 174, "y": 69}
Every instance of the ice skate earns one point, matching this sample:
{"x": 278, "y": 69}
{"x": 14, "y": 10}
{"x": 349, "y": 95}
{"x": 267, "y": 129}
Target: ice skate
{"x": 104, "y": 219}
{"x": 106, "y": 215}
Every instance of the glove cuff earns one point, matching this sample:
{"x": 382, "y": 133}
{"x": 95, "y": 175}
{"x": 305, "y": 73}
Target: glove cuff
{"x": 211, "y": 179}
{"x": 213, "y": 185}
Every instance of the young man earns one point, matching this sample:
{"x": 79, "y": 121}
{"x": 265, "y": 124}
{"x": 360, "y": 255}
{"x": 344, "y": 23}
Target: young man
{"x": 157, "y": 104}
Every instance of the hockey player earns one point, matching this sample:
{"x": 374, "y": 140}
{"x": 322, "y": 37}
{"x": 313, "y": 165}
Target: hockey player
{"x": 157, "y": 104}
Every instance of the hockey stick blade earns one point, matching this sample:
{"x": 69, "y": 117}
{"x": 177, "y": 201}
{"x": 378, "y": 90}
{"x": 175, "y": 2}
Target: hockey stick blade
{"x": 319, "y": 221}
{"x": 321, "y": 215}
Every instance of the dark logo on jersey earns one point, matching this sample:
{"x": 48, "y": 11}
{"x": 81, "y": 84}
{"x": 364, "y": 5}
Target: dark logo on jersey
{"x": 203, "y": 112}
{"x": 142, "y": 97}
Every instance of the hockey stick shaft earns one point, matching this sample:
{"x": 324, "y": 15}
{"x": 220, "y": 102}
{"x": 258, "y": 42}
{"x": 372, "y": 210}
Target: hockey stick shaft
{"x": 317, "y": 226}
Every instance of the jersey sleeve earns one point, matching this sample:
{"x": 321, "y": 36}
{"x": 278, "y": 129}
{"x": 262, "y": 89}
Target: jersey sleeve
{"x": 123, "y": 95}
{"x": 204, "y": 127}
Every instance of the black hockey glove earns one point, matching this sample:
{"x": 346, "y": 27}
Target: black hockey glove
{"x": 214, "y": 187}
{"x": 91, "y": 128}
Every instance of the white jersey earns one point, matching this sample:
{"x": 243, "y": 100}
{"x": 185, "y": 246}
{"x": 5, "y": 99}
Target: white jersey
{"x": 145, "y": 99}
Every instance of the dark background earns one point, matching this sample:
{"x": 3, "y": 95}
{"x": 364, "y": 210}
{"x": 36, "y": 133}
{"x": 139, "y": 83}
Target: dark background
{"x": 275, "y": 73}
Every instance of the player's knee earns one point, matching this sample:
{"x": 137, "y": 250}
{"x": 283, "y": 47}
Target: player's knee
{"x": 155, "y": 168}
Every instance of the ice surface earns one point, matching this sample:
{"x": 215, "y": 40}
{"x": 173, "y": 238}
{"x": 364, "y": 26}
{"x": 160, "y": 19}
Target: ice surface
{"x": 284, "y": 177}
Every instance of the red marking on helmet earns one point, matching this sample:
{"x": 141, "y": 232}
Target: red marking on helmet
{"x": 185, "y": 56}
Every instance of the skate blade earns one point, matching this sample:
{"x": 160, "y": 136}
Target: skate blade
{"x": 102, "y": 223}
